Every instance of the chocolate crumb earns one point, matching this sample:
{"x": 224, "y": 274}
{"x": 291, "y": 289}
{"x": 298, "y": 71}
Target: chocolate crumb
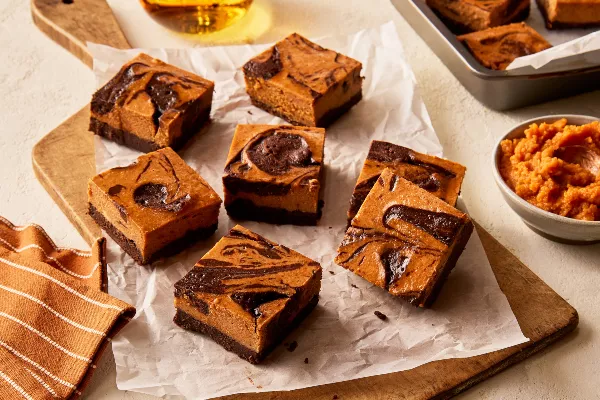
{"x": 335, "y": 397}
{"x": 380, "y": 315}
{"x": 354, "y": 286}
{"x": 250, "y": 112}
{"x": 331, "y": 272}
{"x": 292, "y": 346}
{"x": 306, "y": 360}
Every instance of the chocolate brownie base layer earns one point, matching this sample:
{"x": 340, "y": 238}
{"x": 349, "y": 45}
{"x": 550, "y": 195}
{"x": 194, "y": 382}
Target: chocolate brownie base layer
{"x": 459, "y": 29}
{"x": 132, "y": 141}
{"x": 327, "y": 119}
{"x": 186, "y": 321}
{"x": 130, "y": 247}
{"x": 102, "y": 268}
{"x": 450, "y": 263}
{"x": 561, "y": 25}
{"x": 242, "y": 209}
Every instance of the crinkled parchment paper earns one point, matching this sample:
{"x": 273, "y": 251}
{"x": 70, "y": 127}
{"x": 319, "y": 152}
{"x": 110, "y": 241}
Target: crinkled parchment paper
{"x": 342, "y": 339}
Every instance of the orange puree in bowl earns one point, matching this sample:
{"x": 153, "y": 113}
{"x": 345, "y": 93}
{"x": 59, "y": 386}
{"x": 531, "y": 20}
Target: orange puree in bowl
{"x": 536, "y": 168}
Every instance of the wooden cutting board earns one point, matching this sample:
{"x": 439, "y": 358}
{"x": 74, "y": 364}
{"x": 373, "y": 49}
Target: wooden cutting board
{"x": 63, "y": 162}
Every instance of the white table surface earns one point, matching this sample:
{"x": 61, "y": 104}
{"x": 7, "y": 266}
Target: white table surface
{"x": 42, "y": 84}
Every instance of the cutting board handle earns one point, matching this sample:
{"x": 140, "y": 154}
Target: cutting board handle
{"x": 72, "y": 23}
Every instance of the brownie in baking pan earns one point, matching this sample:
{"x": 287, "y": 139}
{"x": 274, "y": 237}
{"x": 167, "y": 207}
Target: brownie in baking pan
{"x": 570, "y": 13}
{"x": 496, "y": 48}
{"x": 464, "y": 16}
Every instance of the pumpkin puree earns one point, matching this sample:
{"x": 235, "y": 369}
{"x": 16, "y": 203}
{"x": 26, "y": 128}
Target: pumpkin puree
{"x": 539, "y": 170}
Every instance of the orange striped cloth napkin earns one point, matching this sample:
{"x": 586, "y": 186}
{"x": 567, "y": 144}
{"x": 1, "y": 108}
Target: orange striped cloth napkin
{"x": 55, "y": 319}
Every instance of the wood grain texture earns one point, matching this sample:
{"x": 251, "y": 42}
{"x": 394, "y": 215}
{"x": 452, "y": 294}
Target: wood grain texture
{"x": 72, "y": 23}
{"x": 64, "y": 161}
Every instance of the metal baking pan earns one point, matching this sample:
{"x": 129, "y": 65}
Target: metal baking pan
{"x": 501, "y": 90}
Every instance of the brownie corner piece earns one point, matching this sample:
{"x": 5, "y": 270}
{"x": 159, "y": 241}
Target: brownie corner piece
{"x": 464, "y": 16}
{"x": 559, "y": 14}
{"x": 149, "y": 105}
{"x": 404, "y": 239}
{"x": 274, "y": 174}
{"x": 302, "y": 82}
{"x": 154, "y": 207}
{"x": 440, "y": 177}
{"x": 247, "y": 293}
{"x": 496, "y": 48}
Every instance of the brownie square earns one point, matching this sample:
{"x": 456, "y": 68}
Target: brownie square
{"x": 273, "y": 174}
{"x": 496, "y": 48}
{"x": 404, "y": 239}
{"x": 440, "y": 177}
{"x": 570, "y": 13}
{"x": 302, "y": 82}
{"x": 155, "y": 206}
{"x": 463, "y": 16}
{"x": 247, "y": 293}
{"x": 150, "y": 105}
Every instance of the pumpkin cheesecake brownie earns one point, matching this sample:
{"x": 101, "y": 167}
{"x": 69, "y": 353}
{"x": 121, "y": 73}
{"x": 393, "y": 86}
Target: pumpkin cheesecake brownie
{"x": 274, "y": 174}
{"x": 151, "y": 105}
{"x": 154, "y": 207}
{"x": 440, "y": 177}
{"x": 302, "y": 82}
{"x": 570, "y": 13}
{"x": 247, "y": 293}
{"x": 404, "y": 239}
{"x": 496, "y": 48}
{"x": 463, "y": 16}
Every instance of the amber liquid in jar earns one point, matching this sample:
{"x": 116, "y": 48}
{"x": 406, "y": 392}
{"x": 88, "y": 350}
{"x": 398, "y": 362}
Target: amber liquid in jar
{"x": 196, "y": 16}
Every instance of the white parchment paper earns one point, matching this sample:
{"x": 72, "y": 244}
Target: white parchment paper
{"x": 342, "y": 339}
{"x": 566, "y": 42}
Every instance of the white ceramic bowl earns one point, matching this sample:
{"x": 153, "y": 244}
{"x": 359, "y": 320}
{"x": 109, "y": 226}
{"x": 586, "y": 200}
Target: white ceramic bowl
{"x": 547, "y": 224}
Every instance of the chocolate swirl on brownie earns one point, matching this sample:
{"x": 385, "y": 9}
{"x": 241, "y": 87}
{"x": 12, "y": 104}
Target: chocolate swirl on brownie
{"x": 357, "y": 241}
{"x": 395, "y": 264}
{"x": 515, "y": 44}
{"x": 278, "y": 158}
{"x": 441, "y": 226}
{"x": 105, "y": 99}
{"x": 161, "y": 87}
{"x": 403, "y": 239}
{"x": 279, "y": 152}
{"x": 266, "y": 66}
{"x": 163, "y": 196}
{"x": 391, "y": 253}
{"x": 391, "y": 153}
{"x": 424, "y": 171}
{"x": 498, "y": 47}
{"x": 249, "y": 269}
{"x": 247, "y": 293}
{"x": 290, "y": 56}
